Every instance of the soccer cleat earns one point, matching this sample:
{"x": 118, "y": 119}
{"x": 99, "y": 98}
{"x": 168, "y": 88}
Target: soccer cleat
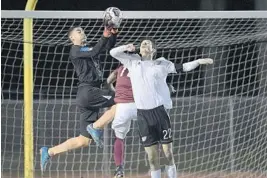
{"x": 119, "y": 172}
{"x": 96, "y": 135}
{"x": 44, "y": 157}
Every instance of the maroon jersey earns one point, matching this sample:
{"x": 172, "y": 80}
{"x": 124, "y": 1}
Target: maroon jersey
{"x": 124, "y": 92}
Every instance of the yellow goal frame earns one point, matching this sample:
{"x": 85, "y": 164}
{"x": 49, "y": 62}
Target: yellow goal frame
{"x": 28, "y": 91}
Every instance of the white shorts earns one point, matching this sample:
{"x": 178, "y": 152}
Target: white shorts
{"x": 125, "y": 113}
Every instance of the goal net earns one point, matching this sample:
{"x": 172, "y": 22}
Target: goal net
{"x": 219, "y": 117}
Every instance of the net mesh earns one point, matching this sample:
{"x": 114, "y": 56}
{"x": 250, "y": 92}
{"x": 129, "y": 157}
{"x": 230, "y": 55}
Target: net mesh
{"x": 219, "y": 117}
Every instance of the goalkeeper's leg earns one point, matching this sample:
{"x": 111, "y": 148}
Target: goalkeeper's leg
{"x": 70, "y": 144}
{"x": 86, "y": 117}
{"x": 105, "y": 119}
{"x": 96, "y": 129}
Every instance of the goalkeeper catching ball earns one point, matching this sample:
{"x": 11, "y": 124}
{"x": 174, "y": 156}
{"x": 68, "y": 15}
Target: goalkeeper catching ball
{"x": 90, "y": 98}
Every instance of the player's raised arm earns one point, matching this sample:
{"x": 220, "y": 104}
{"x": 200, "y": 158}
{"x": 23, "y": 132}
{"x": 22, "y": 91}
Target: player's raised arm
{"x": 112, "y": 39}
{"x": 183, "y": 67}
{"x": 126, "y": 59}
{"x": 194, "y": 64}
{"x": 78, "y": 38}
{"x": 106, "y": 42}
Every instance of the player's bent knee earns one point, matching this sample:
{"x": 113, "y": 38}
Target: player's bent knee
{"x": 83, "y": 141}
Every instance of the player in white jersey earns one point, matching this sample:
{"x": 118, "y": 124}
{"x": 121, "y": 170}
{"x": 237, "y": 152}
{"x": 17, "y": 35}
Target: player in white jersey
{"x": 152, "y": 98}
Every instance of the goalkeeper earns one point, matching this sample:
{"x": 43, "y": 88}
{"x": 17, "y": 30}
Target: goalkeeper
{"x": 90, "y": 98}
{"x": 152, "y": 98}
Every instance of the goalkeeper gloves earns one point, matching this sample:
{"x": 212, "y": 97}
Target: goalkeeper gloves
{"x": 109, "y": 31}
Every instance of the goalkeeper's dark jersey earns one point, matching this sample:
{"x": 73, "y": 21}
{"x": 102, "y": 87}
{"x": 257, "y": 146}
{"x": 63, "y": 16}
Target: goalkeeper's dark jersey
{"x": 86, "y": 61}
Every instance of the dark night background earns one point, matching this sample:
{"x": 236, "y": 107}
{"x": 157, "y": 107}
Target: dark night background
{"x": 208, "y": 100}
{"x": 139, "y": 4}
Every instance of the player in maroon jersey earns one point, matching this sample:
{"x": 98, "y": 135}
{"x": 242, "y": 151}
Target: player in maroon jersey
{"x": 125, "y": 112}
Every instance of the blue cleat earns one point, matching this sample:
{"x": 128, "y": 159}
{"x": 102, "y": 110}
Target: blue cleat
{"x": 96, "y": 135}
{"x": 44, "y": 157}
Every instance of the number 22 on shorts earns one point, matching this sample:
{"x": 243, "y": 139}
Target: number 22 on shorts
{"x": 167, "y": 134}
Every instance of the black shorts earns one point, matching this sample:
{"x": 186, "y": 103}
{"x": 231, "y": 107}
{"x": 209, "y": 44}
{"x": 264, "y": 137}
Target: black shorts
{"x": 154, "y": 126}
{"x": 89, "y": 100}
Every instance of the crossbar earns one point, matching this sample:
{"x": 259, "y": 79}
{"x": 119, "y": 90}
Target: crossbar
{"x": 134, "y": 14}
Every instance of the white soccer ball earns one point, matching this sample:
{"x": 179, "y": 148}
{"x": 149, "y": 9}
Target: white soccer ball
{"x": 112, "y": 17}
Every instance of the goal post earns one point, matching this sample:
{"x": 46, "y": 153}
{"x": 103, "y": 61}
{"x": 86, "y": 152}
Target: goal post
{"x": 28, "y": 91}
{"x": 220, "y": 110}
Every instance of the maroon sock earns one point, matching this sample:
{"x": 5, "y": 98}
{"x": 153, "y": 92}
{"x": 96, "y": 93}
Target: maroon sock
{"x": 118, "y": 152}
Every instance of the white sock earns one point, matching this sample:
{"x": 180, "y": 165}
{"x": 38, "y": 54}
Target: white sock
{"x": 171, "y": 171}
{"x": 155, "y": 174}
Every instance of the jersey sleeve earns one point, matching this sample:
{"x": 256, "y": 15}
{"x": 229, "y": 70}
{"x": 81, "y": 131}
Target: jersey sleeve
{"x": 80, "y": 52}
{"x": 169, "y": 66}
{"x": 126, "y": 59}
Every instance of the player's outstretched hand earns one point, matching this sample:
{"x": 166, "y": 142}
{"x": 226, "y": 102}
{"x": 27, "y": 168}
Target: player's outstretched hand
{"x": 111, "y": 30}
{"x": 130, "y": 48}
{"x": 107, "y": 32}
{"x": 172, "y": 89}
{"x": 114, "y": 31}
{"x": 205, "y": 61}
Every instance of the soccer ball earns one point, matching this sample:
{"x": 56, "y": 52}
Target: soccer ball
{"x": 112, "y": 17}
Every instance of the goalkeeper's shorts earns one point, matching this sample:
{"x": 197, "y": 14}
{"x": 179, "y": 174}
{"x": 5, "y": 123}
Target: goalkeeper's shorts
{"x": 154, "y": 126}
{"x": 89, "y": 101}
